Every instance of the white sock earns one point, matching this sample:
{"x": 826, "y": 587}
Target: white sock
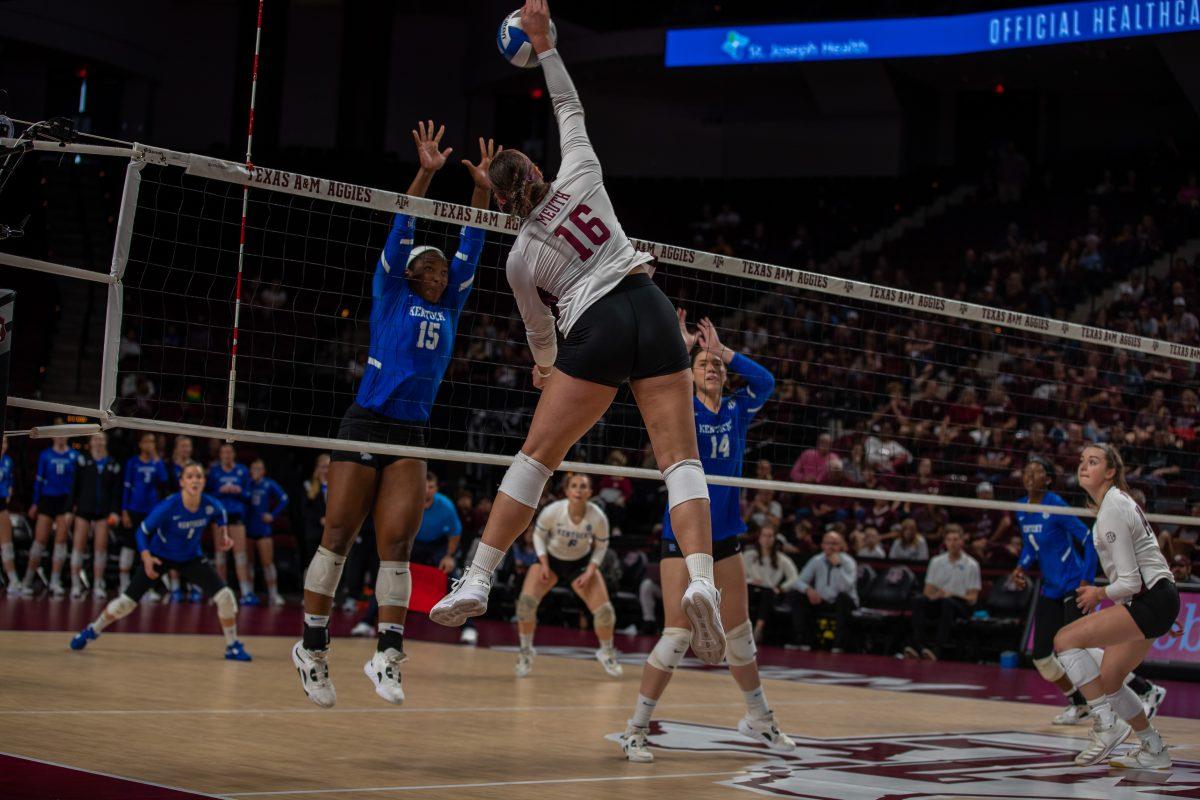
{"x": 316, "y": 620}
{"x": 643, "y": 711}
{"x": 526, "y": 641}
{"x": 606, "y": 644}
{"x": 100, "y": 623}
{"x": 230, "y": 633}
{"x": 247, "y": 588}
{"x": 1103, "y": 711}
{"x": 756, "y": 703}
{"x": 487, "y": 558}
{"x": 173, "y": 582}
{"x": 390, "y": 627}
{"x": 1151, "y": 740}
{"x": 13, "y": 578}
{"x": 700, "y": 566}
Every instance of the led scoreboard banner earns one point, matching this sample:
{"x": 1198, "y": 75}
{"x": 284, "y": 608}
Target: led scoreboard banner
{"x": 985, "y": 32}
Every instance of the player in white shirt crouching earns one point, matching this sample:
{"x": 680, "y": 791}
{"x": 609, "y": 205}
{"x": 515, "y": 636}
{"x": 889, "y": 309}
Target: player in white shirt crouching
{"x": 570, "y": 539}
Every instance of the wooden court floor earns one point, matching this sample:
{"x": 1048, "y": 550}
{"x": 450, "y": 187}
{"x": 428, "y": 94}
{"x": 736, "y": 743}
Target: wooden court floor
{"x": 168, "y": 709}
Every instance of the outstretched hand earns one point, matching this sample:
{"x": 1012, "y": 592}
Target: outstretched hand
{"x": 479, "y": 172}
{"x": 535, "y": 21}
{"x": 707, "y": 335}
{"x": 429, "y": 152}
{"x": 689, "y": 339}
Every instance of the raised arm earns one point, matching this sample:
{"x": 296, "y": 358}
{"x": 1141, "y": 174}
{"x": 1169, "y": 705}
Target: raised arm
{"x": 577, "y": 153}
{"x": 430, "y": 158}
{"x": 759, "y": 380}
{"x": 470, "y": 240}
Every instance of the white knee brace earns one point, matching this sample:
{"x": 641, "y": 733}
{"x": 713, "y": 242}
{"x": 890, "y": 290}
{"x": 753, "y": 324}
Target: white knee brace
{"x": 1125, "y": 703}
{"x": 324, "y": 572}
{"x": 1049, "y": 667}
{"x": 605, "y": 616}
{"x": 685, "y": 481}
{"x": 670, "y": 649}
{"x": 120, "y": 606}
{"x": 740, "y": 649}
{"x": 76, "y": 559}
{"x": 1079, "y": 665}
{"x": 226, "y": 603}
{"x": 525, "y": 479}
{"x": 393, "y": 586}
{"x": 60, "y": 552}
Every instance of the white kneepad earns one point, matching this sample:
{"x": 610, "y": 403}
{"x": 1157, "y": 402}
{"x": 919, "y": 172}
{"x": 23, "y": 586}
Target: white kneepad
{"x": 60, "y": 552}
{"x": 1049, "y": 668}
{"x": 226, "y": 603}
{"x": 740, "y": 649}
{"x": 120, "y": 606}
{"x": 1126, "y": 703}
{"x": 685, "y": 481}
{"x": 393, "y": 587}
{"x": 525, "y": 479}
{"x": 1079, "y": 665}
{"x": 324, "y": 572}
{"x": 670, "y": 649}
{"x": 125, "y": 559}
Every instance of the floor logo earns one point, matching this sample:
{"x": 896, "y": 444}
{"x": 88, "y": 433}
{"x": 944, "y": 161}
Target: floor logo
{"x": 1002, "y": 764}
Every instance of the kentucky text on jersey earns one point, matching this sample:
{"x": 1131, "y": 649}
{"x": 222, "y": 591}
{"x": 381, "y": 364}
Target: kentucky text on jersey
{"x": 55, "y": 473}
{"x": 173, "y": 533}
{"x": 722, "y": 440}
{"x": 1060, "y": 545}
{"x": 411, "y": 339}
{"x": 143, "y": 480}
{"x": 234, "y": 503}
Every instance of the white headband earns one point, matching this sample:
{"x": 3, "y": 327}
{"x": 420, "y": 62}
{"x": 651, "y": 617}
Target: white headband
{"x": 420, "y": 251}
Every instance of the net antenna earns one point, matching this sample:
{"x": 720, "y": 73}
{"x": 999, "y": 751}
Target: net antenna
{"x": 237, "y": 304}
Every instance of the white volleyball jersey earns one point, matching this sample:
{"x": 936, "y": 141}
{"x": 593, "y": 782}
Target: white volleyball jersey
{"x": 1128, "y": 549}
{"x": 571, "y": 244}
{"x": 556, "y": 534}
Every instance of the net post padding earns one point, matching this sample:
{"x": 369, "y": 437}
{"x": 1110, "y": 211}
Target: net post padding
{"x": 114, "y": 309}
{"x": 383, "y": 200}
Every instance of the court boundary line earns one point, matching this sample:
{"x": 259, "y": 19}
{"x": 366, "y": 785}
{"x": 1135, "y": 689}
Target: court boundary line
{"x": 196, "y": 792}
{"x": 488, "y": 784}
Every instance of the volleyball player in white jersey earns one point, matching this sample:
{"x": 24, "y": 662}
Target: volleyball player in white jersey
{"x": 570, "y": 538}
{"x": 618, "y": 326}
{"x": 1147, "y": 603}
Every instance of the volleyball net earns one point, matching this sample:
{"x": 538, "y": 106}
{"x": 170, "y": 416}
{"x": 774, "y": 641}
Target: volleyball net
{"x": 920, "y": 399}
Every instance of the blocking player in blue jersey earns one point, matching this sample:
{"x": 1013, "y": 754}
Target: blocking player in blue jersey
{"x": 145, "y": 481}
{"x": 721, "y": 425}
{"x": 7, "y": 555}
{"x": 417, "y": 297}
{"x": 169, "y": 538}
{"x": 51, "y": 509}
{"x": 1062, "y": 548}
{"x": 267, "y": 501}
{"x": 229, "y": 481}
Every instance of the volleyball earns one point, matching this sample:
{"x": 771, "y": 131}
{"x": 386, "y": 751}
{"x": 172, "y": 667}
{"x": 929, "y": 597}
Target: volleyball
{"x": 514, "y": 44}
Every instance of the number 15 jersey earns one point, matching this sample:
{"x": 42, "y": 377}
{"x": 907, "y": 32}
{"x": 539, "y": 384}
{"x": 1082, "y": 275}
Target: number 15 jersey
{"x": 571, "y": 244}
{"x": 412, "y": 339}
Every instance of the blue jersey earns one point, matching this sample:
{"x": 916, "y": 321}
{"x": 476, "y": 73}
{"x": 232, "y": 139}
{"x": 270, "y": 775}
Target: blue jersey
{"x": 440, "y": 520}
{"x": 722, "y": 440}
{"x": 412, "y": 340}
{"x": 1061, "y": 545}
{"x": 172, "y": 532}
{"x": 6, "y": 476}
{"x": 55, "y": 474}
{"x": 239, "y": 476}
{"x": 266, "y": 497}
{"x": 144, "y": 481}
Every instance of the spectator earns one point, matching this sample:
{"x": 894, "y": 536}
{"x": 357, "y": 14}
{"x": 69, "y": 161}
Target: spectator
{"x": 1182, "y": 326}
{"x": 884, "y": 453}
{"x": 1181, "y": 569}
{"x": 767, "y": 572}
{"x": 764, "y": 509}
{"x": 316, "y": 492}
{"x": 911, "y": 545}
{"x": 827, "y": 583}
{"x": 872, "y": 544}
{"x": 813, "y": 464}
{"x": 986, "y": 523}
{"x": 952, "y": 586}
{"x": 801, "y": 545}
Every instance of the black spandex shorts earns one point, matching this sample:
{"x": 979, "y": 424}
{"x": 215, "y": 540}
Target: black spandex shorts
{"x": 1049, "y": 617}
{"x": 197, "y": 572}
{"x": 91, "y": 516}
{"x": 630, "y": 333}
{"x": 1155, "y": 610}
{"x": 53, "y": 506}
{"x": 722, "y": 548}
{"x": 568, "y": 571}
{"x": 363, "y": 425}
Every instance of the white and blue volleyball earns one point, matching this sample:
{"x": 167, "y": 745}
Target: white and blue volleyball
{"x": 514, "y": 44}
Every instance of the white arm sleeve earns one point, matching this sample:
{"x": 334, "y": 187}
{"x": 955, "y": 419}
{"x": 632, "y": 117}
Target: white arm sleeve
{"x": 577, "y": 152}
{"x": 1118, "y": 533}
{"x": 539, "y": 322}
{"x": 600, "y": 538}
{"x": 540, "y": 529}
